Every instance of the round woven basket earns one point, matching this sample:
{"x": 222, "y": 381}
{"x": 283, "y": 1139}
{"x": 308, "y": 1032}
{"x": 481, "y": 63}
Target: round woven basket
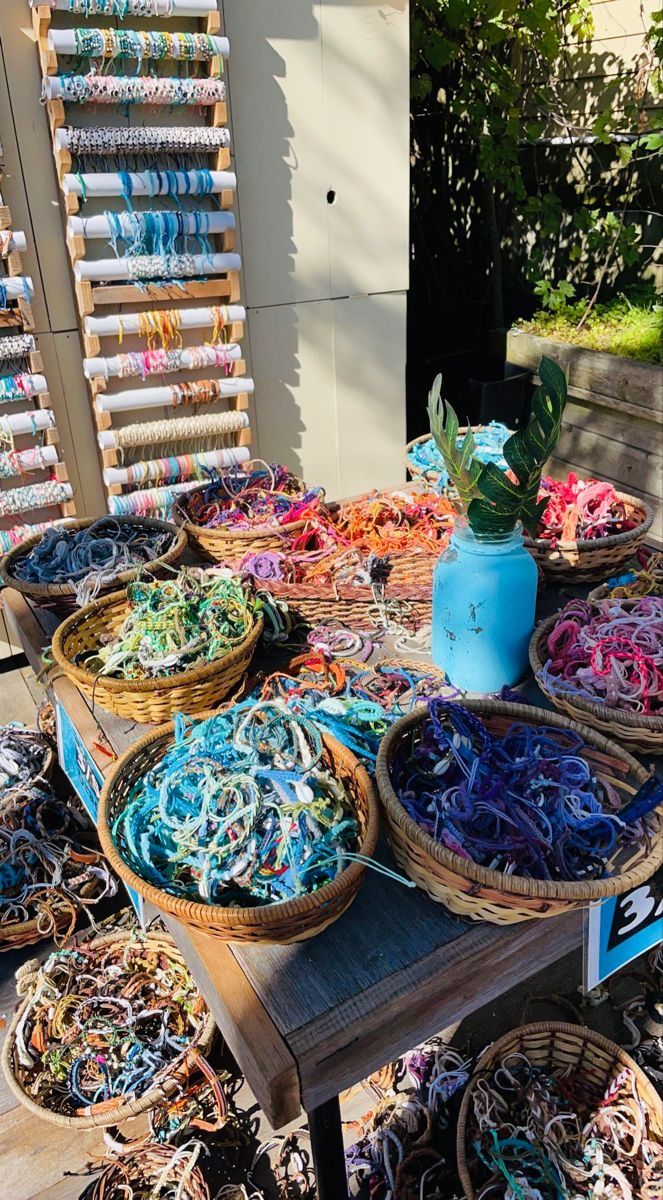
{"x": 432, "y": 476}
{"x": 283, "y": 922}
{"x": 164, "y": 1085}
{"x": 643, "y": 734}
{"x": 17, "y": 934}
{"x": 225, "y": 544}
{"x": 484, "y": 894}
{"x": 588, "y": 559}
{"x": 558, "y": 1048}
{"x": 61, "y": 597}
{"x": 148, "y": 701}
{"x": 407, "y": 597}
{"x": 602, "y": 592}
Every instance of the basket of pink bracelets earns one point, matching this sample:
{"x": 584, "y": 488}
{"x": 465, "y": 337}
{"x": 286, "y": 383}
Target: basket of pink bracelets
{"x": 601, "y": 662}
{"x": 588, "y": 530}
{"x": 365, "y": 562}
{"x": 246, "y": 509}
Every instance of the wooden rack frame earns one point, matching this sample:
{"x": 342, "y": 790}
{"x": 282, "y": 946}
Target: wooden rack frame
{"x": 19, "y": 314}
{"x": 90, "y": 297}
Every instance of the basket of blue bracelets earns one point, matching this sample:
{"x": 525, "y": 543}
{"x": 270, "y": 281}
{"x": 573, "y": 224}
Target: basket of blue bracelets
{"x": 483, "y": 893}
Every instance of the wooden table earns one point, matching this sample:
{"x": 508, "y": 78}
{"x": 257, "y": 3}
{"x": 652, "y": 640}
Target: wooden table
{"x": 308, "y": 1020}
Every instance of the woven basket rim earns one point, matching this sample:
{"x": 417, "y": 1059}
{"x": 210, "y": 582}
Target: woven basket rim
{"x": 432, "y": 473}
{"x": 161, "y": 1084}
{"x": 587, "y": 545}
{"x": 141, "y": 686}
{"x": 29, "y": 927}
{"x": 241, "y": 535}
{"x": 68, "y": 588}
{"x": 651, "y": 723}
{"x": 581, "y": 1033}
{"x": 223, "y": 915}
{"x": 516, "y": 885}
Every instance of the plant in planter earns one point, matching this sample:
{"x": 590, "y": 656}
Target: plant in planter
{"x": 484, "y": 588}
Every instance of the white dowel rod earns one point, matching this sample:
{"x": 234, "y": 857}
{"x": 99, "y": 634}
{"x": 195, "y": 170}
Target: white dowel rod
{"x": 98, "y": 227}
{"x": 63, "y": 41}
{"x": 162, "y": 397}
{"x": 37, "y": 387}
{"x": 28, "y": 422}
{"x": 25, "y": 459}
{"x": 110, "y": 367}
{"x": 210, "y": 458}
{"x": 128, "y": 323}
{"x": 145, "y": 183}
{"x": 16, "y": 285}
{"x": 17, "y": 241}
{"x": 118, "y": 268}
{"x": 161, "y": 8}
{"x": 106, "y": 438}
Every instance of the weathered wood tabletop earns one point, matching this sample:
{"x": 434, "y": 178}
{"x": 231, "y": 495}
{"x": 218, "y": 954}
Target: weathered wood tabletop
{"x": 308, "y": 1020}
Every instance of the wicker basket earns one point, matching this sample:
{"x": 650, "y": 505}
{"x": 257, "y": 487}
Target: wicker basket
{"x": 165, "y": 1084}
{"x": 17, "y": 934}
{"x": 61, "y": 597}
{"x": 406, "y": 604}
{"x": 283, "y": 922}
{"x": 432, "y": 476}
{"x": 148, "y": 701}
{"x": 602, "y": 592}
{"x": 228, "y": 545}
{"x": 637, "y": 732}
{"x": 483, "y": 894}
{"x": 557, "y": 1047}
{"x": 588, "y": 559}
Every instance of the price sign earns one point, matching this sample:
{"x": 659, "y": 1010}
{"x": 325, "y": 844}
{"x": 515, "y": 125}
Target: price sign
{"x": 85, "y": 778}
{"x": 621, "y": 928}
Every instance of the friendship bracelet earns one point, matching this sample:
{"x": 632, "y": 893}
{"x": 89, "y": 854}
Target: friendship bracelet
{"x": 164, "y": 362}
{"x": 141, "y": 139}
{"x": 99, "y": 551}
{"x": 24, "y": 754}
{"x": 16, "y": 347}
{"x": 488, "y": 443}
{"x": 151, "y": 502}
{"x": 163, "y": 470}
{"x": 94, "y": 88}
{"x": 34, "y": 495}
{"x": 647, "y": 582}
{"x": 17, "y": 462}
{"x": 119, "y": 8}
{"x": 151, "y": 1170}
{"x": 18, "y": 387}
{"x": 263, "y": 494}
{"x": 154, "y": 45}
{"x": 13, "y": 537}
{"x": 158, "y": 233}
{"x": 581, "y": 508}
{"x": 201, "y": 427}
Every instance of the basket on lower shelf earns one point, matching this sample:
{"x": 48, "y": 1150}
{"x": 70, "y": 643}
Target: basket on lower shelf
{"x": 471, "y": 890}
{"x": 17, "y": 934}
{"x": 164, "y": 1085}
{"x": 148, "y": 701}
{"x": 636, "y": 731}
{"x": 282, "y": 922}
{"x": 61, "y": 597}
{"x": 560, "y": 1049}
{"x": 587, "y": 559}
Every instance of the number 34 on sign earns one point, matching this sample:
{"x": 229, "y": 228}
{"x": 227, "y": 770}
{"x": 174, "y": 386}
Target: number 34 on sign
{"x": 621, "y": 928}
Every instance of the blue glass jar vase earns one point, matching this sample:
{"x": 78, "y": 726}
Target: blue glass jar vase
{"x": 484, "y": 596}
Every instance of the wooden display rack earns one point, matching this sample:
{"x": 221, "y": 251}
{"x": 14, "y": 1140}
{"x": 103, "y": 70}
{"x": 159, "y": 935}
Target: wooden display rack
{"x": 20, "y": 314}
{"x": 223, "y": 288}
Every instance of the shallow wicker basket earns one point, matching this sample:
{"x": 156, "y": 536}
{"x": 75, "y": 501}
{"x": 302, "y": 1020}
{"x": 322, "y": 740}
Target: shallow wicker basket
{"x": 432, "y": 476}
{"x": 637, "y": 732}
{"x": 148, "y": 701}
{"x": 588, "y": 559}
{"x": 407, "y": 597}
{"x": 17, "y": 934}
{"x": 230, "y": 545}
{"x": 283, "y": 922}
{"x": 557, "y": 1047}
{"x": 61, "y": 597}
{"x": 165, "y": 1084}
{"x": 484, "y": 894}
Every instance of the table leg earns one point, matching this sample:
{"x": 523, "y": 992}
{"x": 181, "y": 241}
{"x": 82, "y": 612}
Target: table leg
{"x": 326, "y": 1132}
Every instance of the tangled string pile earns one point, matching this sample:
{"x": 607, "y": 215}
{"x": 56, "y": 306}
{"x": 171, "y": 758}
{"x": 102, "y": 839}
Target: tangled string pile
{"x": 526, "y": 803}
{"x": 609, "y": 652}
{"x": 104, "y": 1021}
{"x": 150, "y": 1171}
{"x": 582, "y": 508}
{"x": 257, "y": 494}
{"x": 488, "y": 441}
{"x": 646, "y": 582}
{"x": 176, "y": 624}
{"x": 24, "y": 754}
{"x": 45, "y": 870}
{"x": 241, "y": 810}
{"x": 537, "y": 1138}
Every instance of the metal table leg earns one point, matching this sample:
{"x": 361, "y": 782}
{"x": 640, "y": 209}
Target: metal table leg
{"x": 326, "y": 1132}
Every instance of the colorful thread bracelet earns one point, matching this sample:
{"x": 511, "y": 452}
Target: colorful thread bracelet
{"x": 144, "y": 89}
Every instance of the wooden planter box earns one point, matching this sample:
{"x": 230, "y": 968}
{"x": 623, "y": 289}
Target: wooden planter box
{"x": 613, "y": 424}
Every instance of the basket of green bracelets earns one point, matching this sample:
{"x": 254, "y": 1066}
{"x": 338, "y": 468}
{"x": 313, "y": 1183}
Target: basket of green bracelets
{"x": 162, "y": 647}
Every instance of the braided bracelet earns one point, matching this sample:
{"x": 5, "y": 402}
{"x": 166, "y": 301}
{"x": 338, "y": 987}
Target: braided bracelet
{"x": 34, "y": 495}
{"x": 145, "y": 89}
{"x": 120, "y": 8}
{"x": 133, "y": 139}
{"x": 19, "y": 346}
{"x": 144, "y": 44}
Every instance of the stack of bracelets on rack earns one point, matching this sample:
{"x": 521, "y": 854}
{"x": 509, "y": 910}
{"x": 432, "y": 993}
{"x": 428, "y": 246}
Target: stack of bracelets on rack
{"x": 16, "y": 462}
{"x": 145, "y": 44}
{"x": 154, "y": 1172}
{"x": 610, "y": 652}
{"x": 4, "y": 298}
{"x": 193, "y": 619}
{"x": 488, "y": 443}
{"x": 141, "y": 89}
{"x": 354, "y": 702}
{"x": 397, "y": 531}
{"x": 537, "y": 1140}
{"x": 104, "y": 1020}
{"x": 179, "y": 466}
{"x": 646, "y": 582}
{"x": 151, "y": 139}
{"x": 119, "y": 8}
{"x": 202, "y": 427}
{"x": 526, "y": 803}
{"x": 164, "y": 325}
{"x": 34, "y": 495}
{"x": 91, "y": 557}
{"x": 45, "y": 871}
{"x": 6, "y": 239}
{"x": 220, "y": 817}
{"x": 151, "y": 502}
{"x": 162, "y": 266}
{"x": 14, "y": 537}
{"x": 157, "y": 233}
{"x": 258, "y": 494}
{"x": 17, "y": 347}
{"x": 168, "y": 362}
{"x": 581, "y": 508}
{"x": 23, "y": 757}
{"x": 17, "y": 387}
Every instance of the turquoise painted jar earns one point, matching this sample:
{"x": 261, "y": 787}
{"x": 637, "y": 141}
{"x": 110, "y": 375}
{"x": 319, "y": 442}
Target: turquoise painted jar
{"x": 484, "y": 596}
